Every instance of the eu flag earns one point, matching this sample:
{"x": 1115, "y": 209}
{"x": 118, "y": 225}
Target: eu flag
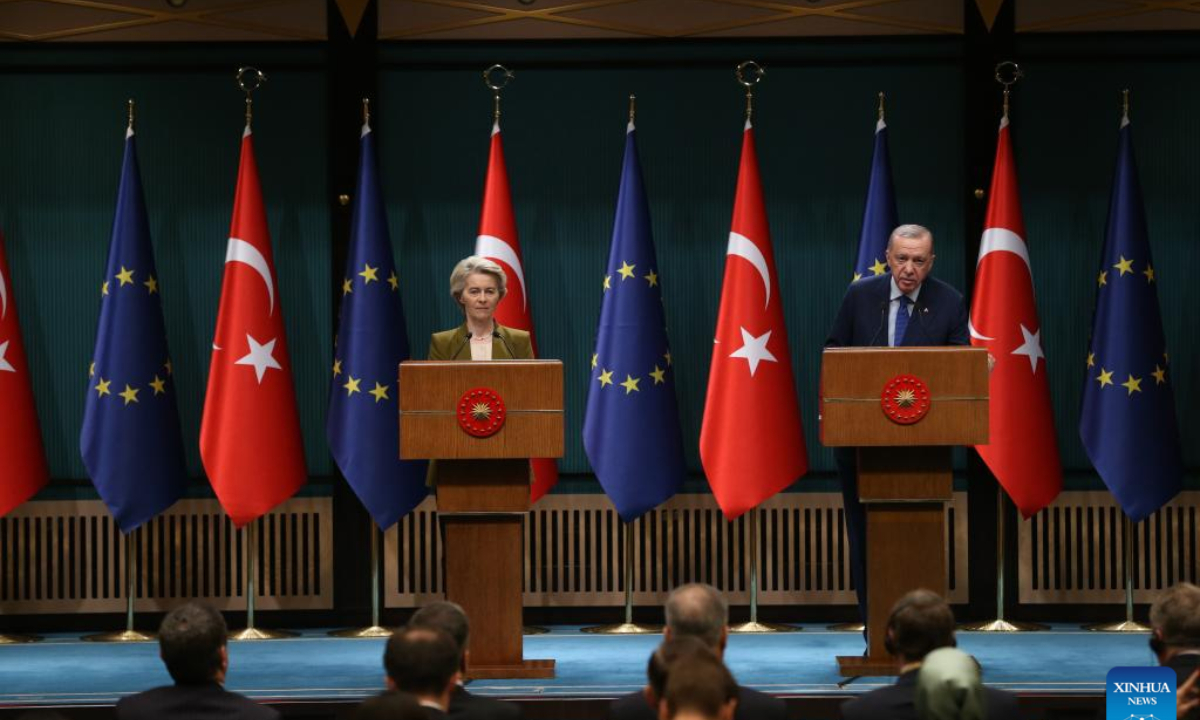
{"x": 363, "y": 424}
{"x": 631, "y": 426}
{"x": 879, "y": 216}
{"x": 1128, "y": 418}
{"x": 131, "y": 441}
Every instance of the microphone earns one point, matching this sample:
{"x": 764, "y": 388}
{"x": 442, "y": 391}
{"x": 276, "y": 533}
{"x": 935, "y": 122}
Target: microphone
{"x": 511, "y": 354}
{"x": 883, "y": 313}
{"x": 457, "y": 350}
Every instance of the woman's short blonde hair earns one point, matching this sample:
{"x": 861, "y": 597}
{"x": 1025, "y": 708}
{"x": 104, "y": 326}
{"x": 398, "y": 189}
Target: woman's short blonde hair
{"x": 471, "y": 265}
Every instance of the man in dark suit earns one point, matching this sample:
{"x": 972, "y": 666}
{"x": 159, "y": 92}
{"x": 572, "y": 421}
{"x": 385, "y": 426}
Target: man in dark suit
{"x": 192, "y": 645}
{"x": 696, "y": 611}
{"x": 905, "y": 307}
{"x": 1175, "y": 634}
{"x": 920, "y": 623}
{"x": 424, "y": 663}
{"x": 450, "y": 619}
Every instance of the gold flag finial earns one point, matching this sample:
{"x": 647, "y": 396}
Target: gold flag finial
{"x": 1125, "y": 104}
{"x": 250, "y": 79}
{"x": 881, "y": 98}
{"x": 130, "y": 128}
{"x": 367, "y": 112}
{"x": 756, "y": 73}
{"x": 1007, "y": 74}
{"x": 503, "y": 77}
{"x": 632, "y": 107}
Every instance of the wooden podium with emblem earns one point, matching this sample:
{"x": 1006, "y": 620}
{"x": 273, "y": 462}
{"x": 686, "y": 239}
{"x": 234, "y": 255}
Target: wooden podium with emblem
{"x": 903, "y": 408}
{"x": 481, "y": 422}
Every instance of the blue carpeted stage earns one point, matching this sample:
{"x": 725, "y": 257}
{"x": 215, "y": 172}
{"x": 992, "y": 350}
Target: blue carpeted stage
{"x": 1062, "y": 669}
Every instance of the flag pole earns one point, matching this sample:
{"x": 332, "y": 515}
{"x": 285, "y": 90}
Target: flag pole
{"x": 130, "y": 558}
{"x": 375, "y": 630}
{"x": 754, "y": 626}
{"x": 998, "y": 624}
{"x": 252, "y": 545}
{"x": 629, "y": 627}
{"x": 1128, "y": 625}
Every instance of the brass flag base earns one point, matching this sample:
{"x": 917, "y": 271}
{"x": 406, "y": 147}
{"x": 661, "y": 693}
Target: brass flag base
{"x": 625, "y": 628}
{"x": 534, "y": 630}
{"x": 854, "y": 627}
{"x": 260, "y": 634}
{"x": 375, "y": 631}
{"x": 7, "y": 639}
{"x": 1125, "y": 626}
{"x": 1002, "y": 626}
{"x": 757, "y": 627}
{"x": 123, "y": 636}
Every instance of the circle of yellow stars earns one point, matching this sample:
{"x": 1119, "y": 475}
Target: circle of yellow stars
{"x": 1124, "y": 266}
{"x": 103, "y": 387}
{"x": 632, "y": 383}
{"x": 353, "y": 385}
{"x": 879, "y": 268}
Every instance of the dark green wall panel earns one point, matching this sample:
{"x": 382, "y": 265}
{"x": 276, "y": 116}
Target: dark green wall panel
{"x": 63, "y": 139}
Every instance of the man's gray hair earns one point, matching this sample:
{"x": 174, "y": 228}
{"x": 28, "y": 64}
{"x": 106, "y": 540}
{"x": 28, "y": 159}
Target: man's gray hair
{"x": 697, "y": 610}
{"x": 475, "y": 264}
{"x": 910, "y": 230}
{"x": 1177, "y": 614}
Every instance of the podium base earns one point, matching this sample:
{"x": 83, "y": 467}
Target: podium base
{"x": 375, "y": 631}
{"x": 1002, "y": 626}
{"x": 528, "y": 669}
{"x": 859, "y": 666}
{"x": 1122, "y": 627}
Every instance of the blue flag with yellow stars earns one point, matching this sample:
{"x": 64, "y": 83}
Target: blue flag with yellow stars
{"x": 363, "y": 425}
{"x": 879, "y": 215}
{"x": 131, "y": 442}
{"x": 1128, "y": 418}
{"x": 631, "y": 426}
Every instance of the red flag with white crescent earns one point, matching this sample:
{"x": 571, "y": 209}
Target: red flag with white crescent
{"x": 250, "y": 434}
{"x": 752, "y": 439}
{"x": 1022, "y": 451}
{"x": 23, "y": 471}
{"x": 498, "y": 241}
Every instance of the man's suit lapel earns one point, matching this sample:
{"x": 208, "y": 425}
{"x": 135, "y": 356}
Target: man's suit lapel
{"x": 883, "y": 297}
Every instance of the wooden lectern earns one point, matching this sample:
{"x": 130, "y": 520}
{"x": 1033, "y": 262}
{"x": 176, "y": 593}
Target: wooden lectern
{"x": 483, "y": 489}
{"x": 904, "y": 471}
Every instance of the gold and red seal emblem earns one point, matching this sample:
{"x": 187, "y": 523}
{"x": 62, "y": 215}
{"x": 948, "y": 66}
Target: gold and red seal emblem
{"x": 481, "y": 412}
{"x": 905, "y": 399}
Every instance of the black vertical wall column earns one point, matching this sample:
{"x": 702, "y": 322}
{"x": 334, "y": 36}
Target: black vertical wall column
{"x": 981, "y": 114}
{"x": 352, "y": 75}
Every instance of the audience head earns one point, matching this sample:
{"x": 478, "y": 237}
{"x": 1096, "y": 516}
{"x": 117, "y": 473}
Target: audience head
{"x": 920, "y": 622}
{"x": 389, "y": 706}
{"x": 698, "y": 610}
{"x": 699, "y": 687}
{"x": 663, "y": 656}
{"x": 449, "y": 618}
{"x": 949, "y": 687}
{"x": 1175, "y": 621}
{"x": 191, "y": 642}
{"x": 422, "y": 661}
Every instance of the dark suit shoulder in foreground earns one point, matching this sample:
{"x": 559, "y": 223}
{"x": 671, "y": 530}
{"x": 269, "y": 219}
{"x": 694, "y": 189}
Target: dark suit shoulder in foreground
{"x": 191, "y": 702}
{"x": 898, "y": 702}
{"x": 465, "y": 706}
{"x": 752, "y": 705}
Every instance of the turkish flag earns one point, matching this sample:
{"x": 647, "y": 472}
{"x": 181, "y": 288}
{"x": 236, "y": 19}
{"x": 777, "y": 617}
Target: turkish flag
{"x": 497, "y": 241}
{"x": 1023, "y": 449}
{"x": 752, "y": 439}
{"x": 24, "y": 470}
{"x": 250, "y": 434}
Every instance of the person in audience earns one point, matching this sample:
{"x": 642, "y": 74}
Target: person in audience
{"x": 661, "y": 659}
{"x": 192, "y": 645}
{"x": 920, "y": 622}
{"x": 451, "y": 619}
{"x": 699, "y": 611}
{"x": 699, "y": 687}
{"x": 389, "y": 706}
{"x": 1175, "y": 640}
{"x": 949, "y": 687}
{"x": 1187, "y": 697}
{"x": 424, "y": 662}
